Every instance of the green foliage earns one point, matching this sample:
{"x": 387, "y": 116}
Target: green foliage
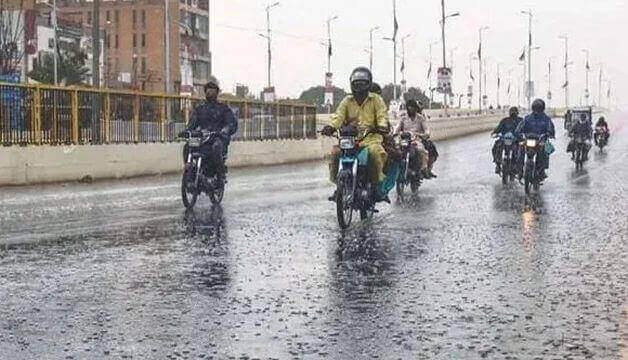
{"x": 71, "y": 69}
{"x": 316, "y": 95}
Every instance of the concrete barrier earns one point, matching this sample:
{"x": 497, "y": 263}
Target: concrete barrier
{"x": 44, "y": 164}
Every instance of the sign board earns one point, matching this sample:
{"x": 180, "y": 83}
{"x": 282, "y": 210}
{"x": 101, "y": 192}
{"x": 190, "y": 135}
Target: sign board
{"x": 269, "y": 94}
{"x": 328, "y": 80}
{"x": 329, "y": 99}
{"x": 444, "y": 80}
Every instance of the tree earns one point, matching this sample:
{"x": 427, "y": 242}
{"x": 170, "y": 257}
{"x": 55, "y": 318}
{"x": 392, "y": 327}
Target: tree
{"x": 11, "y": 36}
{"x": 412, "y": 93}
{"x": 316, "y": 95}
{"x": 71, "y": 69}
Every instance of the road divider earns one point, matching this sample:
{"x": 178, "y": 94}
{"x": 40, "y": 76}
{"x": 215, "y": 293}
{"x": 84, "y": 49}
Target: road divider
{"x": 24, "y": 165}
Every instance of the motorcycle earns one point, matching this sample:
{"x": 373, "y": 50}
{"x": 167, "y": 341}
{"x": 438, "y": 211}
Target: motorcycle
{"x": 601, "y": 135}
{"x": 580, "y": 151}
{"x": 198, "y": 179}
{"x": 407, "y": 176}
{"x": 354, "y": 190}
{"x": 509, "y": 157}
{"x": 533, "y": 144}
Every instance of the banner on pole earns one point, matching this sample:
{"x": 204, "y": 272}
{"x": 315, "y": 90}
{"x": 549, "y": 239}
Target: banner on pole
{"x": 444, "y": 80}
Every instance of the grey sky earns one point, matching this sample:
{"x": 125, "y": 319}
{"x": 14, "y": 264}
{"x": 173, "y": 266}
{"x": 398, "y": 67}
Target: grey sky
{"x": 299, "y": 60}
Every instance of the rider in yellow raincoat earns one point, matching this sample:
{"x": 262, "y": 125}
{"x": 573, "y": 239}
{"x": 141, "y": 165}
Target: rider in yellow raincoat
{"x": 368, "y": 112}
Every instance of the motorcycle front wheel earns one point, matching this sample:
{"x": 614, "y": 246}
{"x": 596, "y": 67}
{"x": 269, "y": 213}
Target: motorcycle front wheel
{"x": 344, "y": 199}
{"x": 189, "y": 194}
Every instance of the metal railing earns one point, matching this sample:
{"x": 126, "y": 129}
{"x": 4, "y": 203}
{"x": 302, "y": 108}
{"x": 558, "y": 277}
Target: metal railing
{"x": 42, "y": 114}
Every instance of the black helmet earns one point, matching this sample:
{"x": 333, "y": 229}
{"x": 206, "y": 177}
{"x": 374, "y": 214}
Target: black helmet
{"x": 602, "y": 119}
{"x": 538, "y": 106}
{"x": 513, "y": 111}
{"x": 413, "y": 103}
{"x": 361, "y": 80}
{"x": 375, "y": 88}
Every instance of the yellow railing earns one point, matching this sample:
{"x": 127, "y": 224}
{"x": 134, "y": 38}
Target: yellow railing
{"x": 44, "y": 114}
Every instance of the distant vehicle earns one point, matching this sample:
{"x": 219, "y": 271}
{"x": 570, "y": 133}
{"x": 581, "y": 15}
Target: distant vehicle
{"x": 601, "y": 136}
{"x": 575, "y": 115}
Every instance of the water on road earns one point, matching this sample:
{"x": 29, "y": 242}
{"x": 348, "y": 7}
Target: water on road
{"x": 463, "y": 271}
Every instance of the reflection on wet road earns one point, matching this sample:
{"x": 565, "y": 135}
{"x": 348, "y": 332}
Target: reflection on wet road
{"x": 121, "y": 270}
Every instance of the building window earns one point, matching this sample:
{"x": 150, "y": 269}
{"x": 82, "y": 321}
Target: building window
{"x": 143, "y": 17}
{"x": 116, "y": 16}
{"x": 108, "y": 17}
{"x": 89, "y": 17}
{"x": 134, "y": 64}
{"x": 116, "y": 45}
{"x": 108, "y": 41}
{"x": 143, "y": 65}
{"x": 143, "y": 40}
{"x": 134, "y": 40}
{"x": 134, "y": 17}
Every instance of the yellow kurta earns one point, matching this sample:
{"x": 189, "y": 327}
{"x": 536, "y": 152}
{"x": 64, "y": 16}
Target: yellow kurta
{"x": 372, "y": 114}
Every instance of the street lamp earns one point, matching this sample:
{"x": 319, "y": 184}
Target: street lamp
{"x": 443, "y": 18}
{"x": 329, "y": 41}
{"x": 480, "y": 66}
{"x": 566, "y": 66}
{"x": 529, "y": 85}
{"x": 267, "y": 36}
{"x": 586, "y": 90}
{"x": 371, "y": 47}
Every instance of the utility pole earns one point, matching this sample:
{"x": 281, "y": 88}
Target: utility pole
{"x": 429, "y": 76}
{"x": 395, "y": 51}
{"x": 371, "y": 47}
{"x": 95, "y": 43}
{"x": 566, "y": 65}
{"x": 167, "y": 39}
{"x": 587, "y": 67}
{"x": 329, "y": 42}
{"x": 56, "y": 49}
{"x": 442, "y": 28}
{"x": 268, "y": 38}
{"x": 498, "y": 85}
{"x": 599, "y": 87}
{"x": 403, "y": 56}
{"x": 549, "y": 81}
{"x": 480, "y": 67}
{"x": 529, "y": 83}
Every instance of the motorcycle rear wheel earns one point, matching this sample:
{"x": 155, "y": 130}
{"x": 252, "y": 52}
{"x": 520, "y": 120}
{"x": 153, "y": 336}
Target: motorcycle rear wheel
{"x": 216, "y": 195}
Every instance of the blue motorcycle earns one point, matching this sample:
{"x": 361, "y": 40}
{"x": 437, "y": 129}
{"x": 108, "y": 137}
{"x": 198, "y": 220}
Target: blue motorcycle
{"x": 354, "y": 191}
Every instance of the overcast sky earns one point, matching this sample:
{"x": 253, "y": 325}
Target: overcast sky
{"x": 299, "y": 60}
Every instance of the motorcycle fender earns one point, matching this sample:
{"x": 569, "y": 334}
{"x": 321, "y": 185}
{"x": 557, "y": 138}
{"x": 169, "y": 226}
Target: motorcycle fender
{"x": 363, "y": 157}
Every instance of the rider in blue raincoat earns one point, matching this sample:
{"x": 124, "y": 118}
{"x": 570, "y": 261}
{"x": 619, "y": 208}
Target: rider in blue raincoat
{"x": 537, "y": 123}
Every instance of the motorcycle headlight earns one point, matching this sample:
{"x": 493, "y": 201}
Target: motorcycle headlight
{"x": 194, "y": 142}
{"x": 405, "y": 143}
{"x": 531, "y": 142}
{"x": 347, "y": 143}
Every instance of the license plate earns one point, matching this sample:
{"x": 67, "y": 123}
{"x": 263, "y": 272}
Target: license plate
{"x": 507, "y": 142}
{"x": 531, "y": 143}
{"x": 194, "y": 143}
{"x": 405, "y": 143}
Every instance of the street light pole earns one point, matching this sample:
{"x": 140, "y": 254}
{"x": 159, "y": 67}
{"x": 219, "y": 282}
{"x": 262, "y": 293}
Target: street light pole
{"x": 56, "y": 49}
{"x": 329, "y": 42}
{"x": 268, "y": 38}
{"x": 587, "y": 68}
{"x": 599, "y": 90}
{"x": 529, "y": 82}
{"x": 443, "y": 17}
{"x": 371, "y": 47}
{"x": 480, "y": 67}
{"x": 566, "y": 86}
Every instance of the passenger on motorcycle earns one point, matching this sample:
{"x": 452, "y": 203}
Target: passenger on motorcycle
{"x": 601, "y": 123}
{"x": 367, "y": 111}
{"x": 414, "y": 123}
{"x": 580, "y": 129}
{"x": 507, "y": 125}
{"x": 539, "y": 124}
{"x": 213, "y": 115}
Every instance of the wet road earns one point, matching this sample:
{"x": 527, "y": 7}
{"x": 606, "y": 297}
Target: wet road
{"x": 120, "y": 270}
